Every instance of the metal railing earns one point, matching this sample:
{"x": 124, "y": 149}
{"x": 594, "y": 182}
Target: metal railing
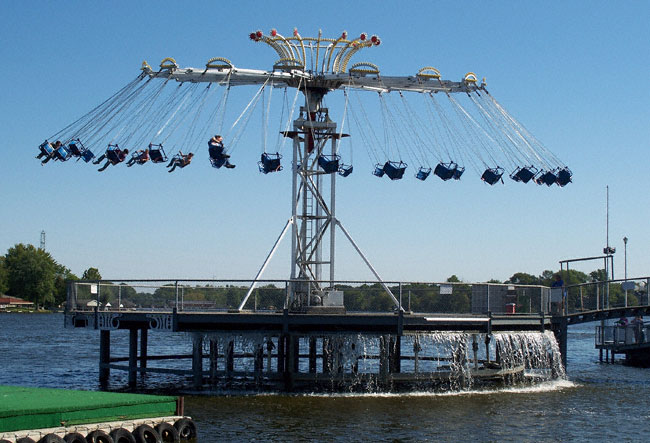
{"x": 622, "y": 335}
{"x": 603, "y": 295}
{"x": 273, "y": 295}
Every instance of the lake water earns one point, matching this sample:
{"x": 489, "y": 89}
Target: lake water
{"x": 597, "y": 402}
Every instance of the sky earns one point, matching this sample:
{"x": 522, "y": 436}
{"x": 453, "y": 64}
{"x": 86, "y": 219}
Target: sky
{"x": 573, "y": 72}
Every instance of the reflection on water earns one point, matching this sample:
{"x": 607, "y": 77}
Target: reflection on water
{"x": 596, "y": 402}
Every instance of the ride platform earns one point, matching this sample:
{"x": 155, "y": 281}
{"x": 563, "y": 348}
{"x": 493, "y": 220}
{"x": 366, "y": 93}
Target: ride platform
{"x": 34, "y": 411}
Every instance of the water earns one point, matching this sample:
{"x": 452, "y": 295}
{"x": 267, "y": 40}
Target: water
{"x": 596, "y": 401}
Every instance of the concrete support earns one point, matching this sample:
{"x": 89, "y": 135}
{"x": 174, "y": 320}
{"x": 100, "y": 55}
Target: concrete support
{"x": 282, "y": 345}
{"x": 395, "y": 352}
{"x": 384, "y": 358}
{"x": 312, "y": 355}
{"x": 327, "y": 355}
{"x": 258, "y": 361}
{"x": 104, "y": 357}
{"x": 269, "y": 353}
{"x": 133, "y": 357}
{"x": 291, "y": 361}
{"x": 197, "y": 361}
{"x": 230, "y": 358}
{"x": 214, "y": 355}
{"x": 143, "y": 348}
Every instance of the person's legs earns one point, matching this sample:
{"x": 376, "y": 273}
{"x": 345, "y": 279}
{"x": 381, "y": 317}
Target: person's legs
{"x": 105, "y": 166}
{"x": 100, "y": 159}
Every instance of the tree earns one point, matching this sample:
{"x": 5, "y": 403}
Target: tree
{"x": 91, "y": 274}
{"x": 522, "y": 278}
{"x": 60, "y": 289}
{"x": 4, "y": 276}
{"x": 31, "y": 273}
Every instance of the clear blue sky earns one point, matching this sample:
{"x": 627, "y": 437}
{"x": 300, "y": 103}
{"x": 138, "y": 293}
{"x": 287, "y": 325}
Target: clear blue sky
{"x": 574, "y": 72}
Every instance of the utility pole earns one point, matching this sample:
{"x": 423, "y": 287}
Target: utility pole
{"x": 625, "y": 266}
{"x": 43, "y": 240}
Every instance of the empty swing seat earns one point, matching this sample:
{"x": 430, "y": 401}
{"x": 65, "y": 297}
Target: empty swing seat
{"x": 329, "y": 163}
{"x": 87, "y": 155}
{"x": 492, "y": 175}
{"x": 524, "y": 174}
{"x": 270, "y": 163}
{"x": 345, "y": 170}
{"x": 446, "y": 171}
{"x": 563, "y": 177}
{"x": 423, "y": 173}
{"x": 395, "y": 170}
{"x": 458, "y": 172}
{"x": 157, "y": 153}
{"x": 546, "y": 178}
{"x": 379, "y": 170}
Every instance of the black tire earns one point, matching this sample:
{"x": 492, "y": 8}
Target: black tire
{"x": 99, "y": 437}
{"x": 146, "y": 434}
{"x": 168, "y": 433}
{"x": 186, "y": 429}
{"x": 74, "y": 437}
{"x": 51, "y": 438}
{"x": 25, "y": 440}
{"x": 121, "y": 435}
{"x": 4, "y": 441}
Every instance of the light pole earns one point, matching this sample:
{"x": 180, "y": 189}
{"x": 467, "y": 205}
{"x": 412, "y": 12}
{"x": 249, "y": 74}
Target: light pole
{"x": 625, "y": 266}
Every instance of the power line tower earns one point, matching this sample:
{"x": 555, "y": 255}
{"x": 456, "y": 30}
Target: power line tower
{"x": 43, "y": 240}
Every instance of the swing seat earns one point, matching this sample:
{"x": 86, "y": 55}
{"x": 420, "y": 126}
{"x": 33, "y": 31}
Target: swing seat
{"x": 46, "y": 148}
{"x": 524, "y": 174}
{"x": 446, "y": 171}
{"x": 423, "y": 173}
{"x": 345, "y": 170}
{"x": 157, "y": 153}
{"x": 458, "y": 172}
{"x": 217, "y": 162}
{"x": 87, "y": 156}
{"x": 546, "y": 178}
{"x": 111, "y": 154}
{"x": 76, "y": 148}
{"x": 395, "y": 170}
{"x": 270, "y": 163}
{"x": 563, "y": 177}
{"x": 379, "y": 170}
{"x": 62, "y": 154}
{"x": 492, "y": 175}
{"x": 329, "y": 163}
{"x": 140, "y": 158}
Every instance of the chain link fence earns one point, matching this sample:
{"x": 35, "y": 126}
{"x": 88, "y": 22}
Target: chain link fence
{"x": 275, "y": 295}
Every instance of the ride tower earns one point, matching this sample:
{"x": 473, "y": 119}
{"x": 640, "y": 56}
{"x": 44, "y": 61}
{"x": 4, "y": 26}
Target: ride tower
{"x": 315, "y": 66}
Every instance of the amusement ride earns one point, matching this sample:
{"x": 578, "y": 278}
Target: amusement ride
{"x": 442, "y": 126}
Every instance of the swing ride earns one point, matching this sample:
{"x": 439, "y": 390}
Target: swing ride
{"x": 453, "y": 124}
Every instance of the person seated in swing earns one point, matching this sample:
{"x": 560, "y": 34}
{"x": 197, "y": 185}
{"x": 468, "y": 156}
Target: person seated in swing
{"x": 117, "y": 156}
{"x": 216, "y": 151}
{"x": 181, "y": 160}
{"x": 48, "y": 155}
{"x": 141, "y": 156}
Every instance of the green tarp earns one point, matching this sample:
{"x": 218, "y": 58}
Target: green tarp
{"x": 23, "y": 408}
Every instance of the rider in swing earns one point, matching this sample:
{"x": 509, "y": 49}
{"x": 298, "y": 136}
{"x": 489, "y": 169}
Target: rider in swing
{"x": 216, "y": 151}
